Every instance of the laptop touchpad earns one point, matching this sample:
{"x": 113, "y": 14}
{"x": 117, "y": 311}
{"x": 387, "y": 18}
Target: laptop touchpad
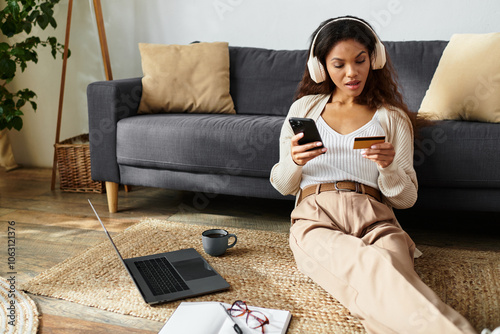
{"x": 193, "y": 269}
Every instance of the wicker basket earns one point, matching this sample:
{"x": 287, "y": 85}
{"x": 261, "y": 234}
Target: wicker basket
{"x": 73, "y": 163}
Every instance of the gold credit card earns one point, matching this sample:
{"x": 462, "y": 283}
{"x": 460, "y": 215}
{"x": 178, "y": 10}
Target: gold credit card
{"x": 366, "y": 142}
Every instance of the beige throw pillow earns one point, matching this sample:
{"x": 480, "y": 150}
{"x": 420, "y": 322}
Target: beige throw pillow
{"x": 466, "y": 84}
{"x": 185, "y": 78}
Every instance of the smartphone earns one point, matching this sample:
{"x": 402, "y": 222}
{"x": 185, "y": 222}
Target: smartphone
{"x": 308, "y": 127}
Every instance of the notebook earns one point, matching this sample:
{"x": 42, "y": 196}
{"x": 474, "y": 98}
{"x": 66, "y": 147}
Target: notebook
{"x": 170, "y": 276}
{"x": 209, "y": 317}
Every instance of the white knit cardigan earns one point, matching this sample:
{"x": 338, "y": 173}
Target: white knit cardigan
{"x": 397, "y": 182}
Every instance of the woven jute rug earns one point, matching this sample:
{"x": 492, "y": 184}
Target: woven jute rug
{"x": 262, "y": 271}
{"x": 18, "y": 312}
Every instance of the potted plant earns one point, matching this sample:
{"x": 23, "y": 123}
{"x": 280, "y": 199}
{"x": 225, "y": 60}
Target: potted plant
{"x": 17, "y": 19}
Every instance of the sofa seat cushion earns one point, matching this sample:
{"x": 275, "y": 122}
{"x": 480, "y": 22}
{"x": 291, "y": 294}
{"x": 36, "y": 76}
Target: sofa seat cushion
{"x": 458, "y": 154}
{"x": 245, "y": 145}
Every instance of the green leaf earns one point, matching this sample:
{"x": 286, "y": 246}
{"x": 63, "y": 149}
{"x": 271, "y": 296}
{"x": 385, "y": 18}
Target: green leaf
{"x": 9, "y": 116}
{"x": 32, "y": 56}
{"x": 5, "y": 11}
{"x": 20, "y": 103}
{"x": 9, "y": 28}
{"x": 4, "y": 47}
{"x": 52, "y": 22}
{"x": 4, "y": 125}
{"x": 26, "y": 94}
{"x": 7, "y": 68}
{"x": 43, "y": 21}
{"x": 17, "y": 52}
{"x": 33, "y": 105}
{"x": 17, "y": 123}
{"x": 27, "y": 27}
{"x": 13, "y": 7}
{"x": 31, "y": 42}
{"x": 47, "y": 9}
{"x": 27, "y": 8}
{"x": 8, "y": 105}
{"x": 33, "y": 15}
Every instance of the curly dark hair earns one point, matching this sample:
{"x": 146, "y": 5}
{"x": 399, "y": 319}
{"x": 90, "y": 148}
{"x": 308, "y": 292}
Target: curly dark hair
{"x": 381, "y": 87}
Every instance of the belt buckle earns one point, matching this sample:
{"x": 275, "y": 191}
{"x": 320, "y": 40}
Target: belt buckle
{"x": 337, "y": 188}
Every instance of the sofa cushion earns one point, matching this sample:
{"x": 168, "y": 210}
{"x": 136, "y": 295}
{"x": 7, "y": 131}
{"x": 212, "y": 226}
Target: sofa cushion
{"x": 458, "y": 154}
{"x": 185, "y": 78}
{"x": 265, "y": 81}
{"x": 256, "y": 72}
{"x": 415, "y": 63}
{"x": 466, "y": 84}
{"x": 222, "y": 144}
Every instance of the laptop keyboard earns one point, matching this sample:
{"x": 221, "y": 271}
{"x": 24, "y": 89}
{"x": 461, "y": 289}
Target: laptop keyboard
{"x": 161, "y": 276}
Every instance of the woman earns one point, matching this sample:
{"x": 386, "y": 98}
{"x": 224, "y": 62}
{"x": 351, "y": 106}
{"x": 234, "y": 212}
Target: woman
{"x": 344, "y": 234}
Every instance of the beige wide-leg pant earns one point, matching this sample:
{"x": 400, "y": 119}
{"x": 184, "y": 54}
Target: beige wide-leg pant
{"x": 350, "y": 245}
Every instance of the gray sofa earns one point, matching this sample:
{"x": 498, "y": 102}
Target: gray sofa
{"x": 457, "y": 162}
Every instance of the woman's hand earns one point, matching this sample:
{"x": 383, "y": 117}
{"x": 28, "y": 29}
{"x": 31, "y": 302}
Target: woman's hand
{"x": 383, "y": 154}
{"x": 301, "y": 154}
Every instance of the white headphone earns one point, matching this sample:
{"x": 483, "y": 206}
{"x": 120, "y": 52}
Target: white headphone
{"x": 316, "y": 69}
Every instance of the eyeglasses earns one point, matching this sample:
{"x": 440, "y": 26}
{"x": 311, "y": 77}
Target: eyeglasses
{"x": 254, "y": 319}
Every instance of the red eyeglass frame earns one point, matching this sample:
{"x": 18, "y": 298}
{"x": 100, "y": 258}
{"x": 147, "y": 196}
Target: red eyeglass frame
{"x": 240, "y": 308}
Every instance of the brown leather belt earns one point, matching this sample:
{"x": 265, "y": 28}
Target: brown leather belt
{"x": 341, "y": 186}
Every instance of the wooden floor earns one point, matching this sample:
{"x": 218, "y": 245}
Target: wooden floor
{"x": 54, "y": 225}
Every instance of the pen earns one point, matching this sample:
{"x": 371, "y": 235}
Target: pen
{"x": 237, "y": 328}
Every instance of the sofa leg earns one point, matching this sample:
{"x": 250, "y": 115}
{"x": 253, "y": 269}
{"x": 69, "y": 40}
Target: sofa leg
{"x": 112, "y": 193}
{"x": 127, "y": 188}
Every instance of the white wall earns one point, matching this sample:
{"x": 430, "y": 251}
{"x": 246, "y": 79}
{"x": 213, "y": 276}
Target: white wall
{"x": 277, "y": 24}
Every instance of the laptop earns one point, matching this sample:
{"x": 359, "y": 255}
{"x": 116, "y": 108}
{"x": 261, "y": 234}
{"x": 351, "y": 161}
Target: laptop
{"x": 170, "y": 276}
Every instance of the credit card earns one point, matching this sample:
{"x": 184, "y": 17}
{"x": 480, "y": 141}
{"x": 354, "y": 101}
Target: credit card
{"x": 366, "y": 142}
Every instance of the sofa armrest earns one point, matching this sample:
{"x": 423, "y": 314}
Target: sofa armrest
{"x": 108, "y": 102}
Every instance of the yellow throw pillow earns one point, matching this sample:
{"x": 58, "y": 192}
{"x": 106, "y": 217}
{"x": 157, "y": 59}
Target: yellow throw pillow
{"x": 190, "y": 78}
{"x": 466, "y": 84}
